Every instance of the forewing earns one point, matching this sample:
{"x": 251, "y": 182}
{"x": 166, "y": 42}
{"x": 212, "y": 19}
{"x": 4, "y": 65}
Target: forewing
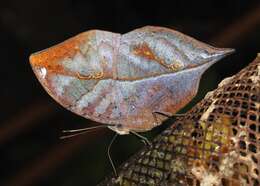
{"x": 72, "y": 69}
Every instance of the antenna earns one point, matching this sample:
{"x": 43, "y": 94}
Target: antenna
{"x": 80, "y": 131}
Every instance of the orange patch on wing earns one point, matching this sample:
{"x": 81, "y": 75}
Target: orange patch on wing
{"x": 144, "y": 50}
{"x": 51, "y": 57}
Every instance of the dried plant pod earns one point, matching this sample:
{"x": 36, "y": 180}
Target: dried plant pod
{"x": 123, "y": 79}
{"x": 217, "y": 143}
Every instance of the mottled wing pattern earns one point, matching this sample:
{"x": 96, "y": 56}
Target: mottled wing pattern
{"x": 122, "y": 79}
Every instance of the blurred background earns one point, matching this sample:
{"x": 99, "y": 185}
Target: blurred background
{"x": 31, "y": 121}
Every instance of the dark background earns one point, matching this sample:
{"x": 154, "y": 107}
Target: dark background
{"x": 31, "y": 122}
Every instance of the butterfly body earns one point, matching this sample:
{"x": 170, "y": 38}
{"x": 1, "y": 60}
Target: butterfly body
{"x": 121, "y": 80}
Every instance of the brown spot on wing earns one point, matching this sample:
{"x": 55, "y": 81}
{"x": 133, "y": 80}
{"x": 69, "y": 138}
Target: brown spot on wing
{"x": 96, "y": 75}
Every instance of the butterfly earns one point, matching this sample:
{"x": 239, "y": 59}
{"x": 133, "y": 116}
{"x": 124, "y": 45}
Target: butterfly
{"x": 124, "y": 81}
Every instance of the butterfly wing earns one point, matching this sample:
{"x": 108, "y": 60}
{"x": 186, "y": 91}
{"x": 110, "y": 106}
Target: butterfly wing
{"x": 123, "y": 79}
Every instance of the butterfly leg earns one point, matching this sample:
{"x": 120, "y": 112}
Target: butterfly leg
{"x": 145, "y": 140}
{"x": 168, "y": 116}
{"x": 85, "y": 130}
{"x": 109, "y": 156}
